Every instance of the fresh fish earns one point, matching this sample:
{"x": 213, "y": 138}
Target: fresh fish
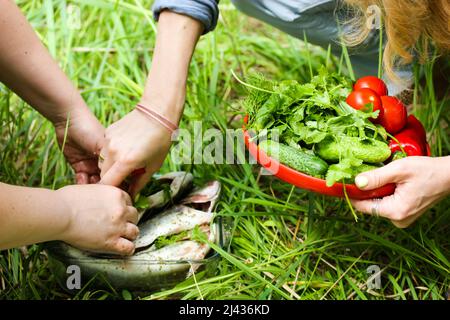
{"x": 175, "y": 220}
{"x": 181, "y": 217}
{"x": 179, "y": 182}
{"x": 145, "y": 269}
{"x": 206, "y": 195}
{"x": 180, "y": 250}
{"x": 205, "y": 228}
{"x": 186, "y": 249}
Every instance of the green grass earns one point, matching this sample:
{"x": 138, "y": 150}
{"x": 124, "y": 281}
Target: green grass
{"x": 286, "y": 243}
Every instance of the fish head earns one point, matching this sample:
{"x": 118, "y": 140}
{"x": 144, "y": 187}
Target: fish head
{"x": 172, "y": 185}
{"x": 204, "y": 198}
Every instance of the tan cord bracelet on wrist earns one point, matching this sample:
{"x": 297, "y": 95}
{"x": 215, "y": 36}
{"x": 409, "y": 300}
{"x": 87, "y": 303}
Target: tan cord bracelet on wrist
{"x": 169, "y": 125}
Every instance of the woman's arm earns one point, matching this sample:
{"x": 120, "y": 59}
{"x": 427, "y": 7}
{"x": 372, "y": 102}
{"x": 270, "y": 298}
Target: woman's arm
{"x": 166, "y": 83}
{"x": 29, "y": 70}
{"x": 137, "y": 141}
{"x": 94, "y": 217}
{"x": 29, "y": 215}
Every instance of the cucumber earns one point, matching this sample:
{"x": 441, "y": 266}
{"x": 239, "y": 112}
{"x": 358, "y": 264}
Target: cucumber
{"x": 295, "y": 158}
{"x": 367, "y": 150}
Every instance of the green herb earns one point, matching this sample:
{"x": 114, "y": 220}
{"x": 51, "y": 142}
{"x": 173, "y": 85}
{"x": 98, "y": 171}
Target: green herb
{"x": 141, "y": 202}
{"x": 168, "y": 240}
{"x": 346, "y": 170}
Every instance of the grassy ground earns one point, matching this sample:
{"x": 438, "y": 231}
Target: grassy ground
{"x": 286, "y": 243}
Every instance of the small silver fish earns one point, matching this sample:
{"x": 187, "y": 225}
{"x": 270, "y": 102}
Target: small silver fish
{"x": 207, "y": 195}
{"x": 181, "y": 217}
{"x": 186, "y": 249}
{"x": 147, "y": 269}
{"x": 175, "y": 220}
{"x": 205, "y": 228}
{"x": 180, "y": 181}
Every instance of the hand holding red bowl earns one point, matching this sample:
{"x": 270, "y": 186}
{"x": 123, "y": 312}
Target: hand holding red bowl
{"x": 401, "y": 190}
{"x": 420, "y": 181}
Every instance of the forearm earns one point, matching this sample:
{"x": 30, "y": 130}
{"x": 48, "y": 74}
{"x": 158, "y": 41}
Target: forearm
{"x": 29, "y": 70}
{"x": 175, "y": 43}
{"x": 29, "y": 215}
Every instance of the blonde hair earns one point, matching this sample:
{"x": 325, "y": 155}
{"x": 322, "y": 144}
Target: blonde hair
{"x": 412, "y": 27}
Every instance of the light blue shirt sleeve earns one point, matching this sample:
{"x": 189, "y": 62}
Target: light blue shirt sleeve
{"x": 205, "y": 11}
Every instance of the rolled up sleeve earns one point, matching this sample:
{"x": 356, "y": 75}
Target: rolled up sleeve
{"x": 205, "y": 11}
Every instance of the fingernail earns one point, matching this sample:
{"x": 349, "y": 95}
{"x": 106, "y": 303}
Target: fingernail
{"x": 361, "y": 182}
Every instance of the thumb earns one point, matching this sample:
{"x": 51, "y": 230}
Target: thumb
{"x": 391, "y": 173}
{"x": 116, "y": 174}
{"x": 139, "y": 181}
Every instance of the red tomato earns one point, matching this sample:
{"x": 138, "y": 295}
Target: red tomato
{"x": 359, "y": 99}
{"x": 394, "y": 115}
{"x": 371, "y": 82}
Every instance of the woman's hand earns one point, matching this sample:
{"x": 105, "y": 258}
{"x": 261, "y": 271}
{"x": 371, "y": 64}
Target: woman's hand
{"x": 94, "y": 217}
{"x": 82, "y": 145}
{"x": 100, "y": 218}
{"x": 420, "y": 183}
{"x": 137, "y": 141}
{"x": 134, "y": 142}
{"x": 28, "y": 69}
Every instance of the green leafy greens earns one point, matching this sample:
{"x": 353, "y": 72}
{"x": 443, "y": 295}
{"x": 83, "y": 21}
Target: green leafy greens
{"x": 304, "y": 115}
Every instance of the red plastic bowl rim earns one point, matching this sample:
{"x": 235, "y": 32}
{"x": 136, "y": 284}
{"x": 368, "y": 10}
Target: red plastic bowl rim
{"x": 308, "y": 182}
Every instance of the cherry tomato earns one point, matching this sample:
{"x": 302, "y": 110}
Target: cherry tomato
{"x": 394, "y": 115}
{"x": 372, "y": 82}
{"x": 360, "y": 99}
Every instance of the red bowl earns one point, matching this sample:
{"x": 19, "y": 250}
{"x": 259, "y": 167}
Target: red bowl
{"x": 311, "y": 183}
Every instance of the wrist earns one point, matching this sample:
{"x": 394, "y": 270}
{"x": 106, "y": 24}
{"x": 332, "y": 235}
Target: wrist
{"x": 51, "y": 213}
{"x": 63, "y": 213}
{"x": 70, "y": 112}
{"x": 169, "y": 106}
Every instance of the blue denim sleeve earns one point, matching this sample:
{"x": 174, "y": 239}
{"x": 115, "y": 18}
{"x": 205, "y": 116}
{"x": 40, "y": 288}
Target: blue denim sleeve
{"x": 205, "y": 11}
